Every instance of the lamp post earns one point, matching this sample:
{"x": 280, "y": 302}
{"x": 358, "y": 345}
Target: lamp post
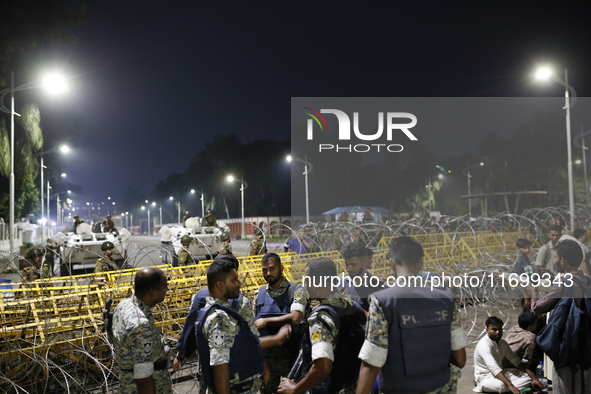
{"x": 307, "y": 169}
{"x": 440, "y": 176}
{"x": 147, "y": 209}
{"x": 243, "y": 185}
{"x": 467, "y": 173}
{"x": 546, "y": 73}
{"x": 53, "y": 82}
{"x": 178, "y": 205}
{"x": 202, "y": 201}
{"x": 584, "y": 148}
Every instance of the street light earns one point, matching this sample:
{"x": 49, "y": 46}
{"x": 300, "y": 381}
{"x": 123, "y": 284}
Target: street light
{"x": 147, "y": 209}
{"x": 202, "y": 201}
{"x": 243, "y": 185}
{"x": 546, "y": 73}
{"x": 440, "y": 176}
{"x": 307, "y": 170}
{"x": 584, "y": 149}
{"x": 466, "y": 172}
{"x": 178, "y": 205}
{"x": 49, "y": 82}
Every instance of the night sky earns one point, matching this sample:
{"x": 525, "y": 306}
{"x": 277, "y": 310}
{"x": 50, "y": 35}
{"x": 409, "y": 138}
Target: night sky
{"x": 154, "y": 81}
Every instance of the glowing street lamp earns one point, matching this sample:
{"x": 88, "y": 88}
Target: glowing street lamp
{"x": 243, "y": 185}
{"x": 467, "y": 173}
{"x": 545, "y": 74}
{"x": 307, "y": 169}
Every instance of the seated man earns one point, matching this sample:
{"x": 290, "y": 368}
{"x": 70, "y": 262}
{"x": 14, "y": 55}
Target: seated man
{"x": 489, "y": 375}
{"x": 522, "y": 340}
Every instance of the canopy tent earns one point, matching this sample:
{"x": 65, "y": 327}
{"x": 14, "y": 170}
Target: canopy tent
{"x": 359, "y": 209}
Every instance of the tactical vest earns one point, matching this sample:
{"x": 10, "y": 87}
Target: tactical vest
{"x": 267, "y": 306}
{"x": 345, "y": 369}
{"x": 201, "y": 299}
{"x": 419, "y": 340}
{"x": 246, "y": 355}
{"x": 352, "y": 292}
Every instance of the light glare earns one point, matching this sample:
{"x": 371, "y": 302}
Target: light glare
{"x": 543, "y": 73}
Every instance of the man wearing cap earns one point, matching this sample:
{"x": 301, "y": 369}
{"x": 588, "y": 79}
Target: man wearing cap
{"x": 77, "y": 222}
{"x": 187, "y": 216}
{"x": 225, "y": 247}
{"x": 186, "y": 258}
{"x": 257, "y": 245}
{"x": 106, "y": 263}
{"x": 109, "y": 225}
{"x": 330, "y": 240}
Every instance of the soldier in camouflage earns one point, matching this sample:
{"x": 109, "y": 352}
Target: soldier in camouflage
{"x": 367, "y": 216}
{"x": 77, "y": 222}
{"x": 187, "y": 216}
{"x": 375, "y": 348}
{"x": 257, "y": 245}
{"x": 210, "y": 220}
{"x": 109, "y": 225}
{"x": 186, "y": 258}
{"x": 51, "y": 250}
{"x": 139, "y": 346}
{"x": 360, "y": 236}
{"x": 225, "y": 247}
{"x": 220, "y": 329}
{"x": 33, "y": 267}
{"x": 106, "y": 263}
{"x": 330, "y": 240}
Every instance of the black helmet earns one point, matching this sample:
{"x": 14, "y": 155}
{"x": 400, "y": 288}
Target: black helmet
{"x": 76, "y": 217}
{"x": 107, "y": 245}
{"x": 36, "y": 251}
{"x": 187, "y": 213}
{"x": 108, "y": 216}
{"x": 186, "y": 240}
{"x": 258, "y": 231}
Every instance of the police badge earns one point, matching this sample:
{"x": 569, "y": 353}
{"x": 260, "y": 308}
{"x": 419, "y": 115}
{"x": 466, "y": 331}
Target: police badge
{"x": 148, "y": 347}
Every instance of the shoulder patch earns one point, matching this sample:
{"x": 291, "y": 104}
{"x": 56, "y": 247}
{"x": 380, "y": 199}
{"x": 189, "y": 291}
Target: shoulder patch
{"x": 315, "y": 337}
{"x": 148, "y": 347}
{"x": 218, "y": 340}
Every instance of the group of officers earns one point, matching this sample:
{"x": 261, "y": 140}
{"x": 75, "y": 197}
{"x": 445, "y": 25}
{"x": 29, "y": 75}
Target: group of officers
{"x": 359, "y": 337}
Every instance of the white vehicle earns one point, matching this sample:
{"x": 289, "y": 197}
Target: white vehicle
{"x": 79, "y": 252}
{"x": 205, "y": 240}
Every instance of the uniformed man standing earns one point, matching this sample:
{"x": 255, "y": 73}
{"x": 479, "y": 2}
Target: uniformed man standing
{"x": 186, "y": 258}
{"x": 187, "y": 216}
{"x": 109, "y": 225}
{"x": 139, "y": 347}
{"x": 276, "y": 304}
{"x": 225, "y": 247}
{"x": 330, "y": 240}
{"x": 50, "y": 252}
{"x": 33, "y": 267}
{"x": 210, "y": 219}
{"x": 360, "y": 236}
{"x": 257, "y": 245}
{"x": 413, "y": 333}
{"x": 230, "y": 353}
{"x": 367, "y": 216}
{"x": 106, "y": 263}
{"x": 77, "y": 222}
{"x": 335, "y": 367}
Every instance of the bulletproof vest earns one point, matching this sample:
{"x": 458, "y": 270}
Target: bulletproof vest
{"x": 345, "y": 369}
{"x": 246, "y": 355}
{"x": 267, "y": 306}
{"x": 201, "y": 298}
{"x": 419, "y": 340}
{"x": 347, "y": 284}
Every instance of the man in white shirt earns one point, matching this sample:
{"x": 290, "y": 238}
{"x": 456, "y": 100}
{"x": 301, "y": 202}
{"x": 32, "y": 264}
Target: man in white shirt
{"x": 489, "y": 375}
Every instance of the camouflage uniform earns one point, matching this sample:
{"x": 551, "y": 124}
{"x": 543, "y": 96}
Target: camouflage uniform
{"x": 185, "y": 258}
{"x": 50, "y": 252}
{"x": 76, "y": 223}
{"x": 31, "y": 273}
{"x": 185, "y": 218}
{"x": 257, "y": 246}
{"x": 226, "y": 248}
{"x": 220, "y": 329}
{"x": 323, "y": 340}
{"x": 105, "y": 264}
{"x": 210, "y": 220}
{"x": 367, "y": 216}
{"x": 281, "y": 358}
{"x": 360, "y": 237}
{"x": 376, "y": 334}
{"x": 138, "y": 345}
{"x": 109, "y": 226}
{"x": 331, "y": 241}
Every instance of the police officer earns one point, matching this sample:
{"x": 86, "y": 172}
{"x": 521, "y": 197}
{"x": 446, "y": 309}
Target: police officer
{"x": 360, "y": 236}
{"x": 33, "y": 267}
{"x": 230, "y": 353}
{"x": 335, "y": 367}
{"x": 278, "y": 303}
{"x": 186, "y": 258}
{"x": 411, "y": 328}
{"x": 257, "y": 245}
{"x": 106, "y": 263}
{"x": 210, "y": 219}
{"x": 77, "y": 222}
{"x": 367, "y": 216}
{"x": 139, "y": 345}
{"x": 109, "y": 225}
{"x": 225, "y": 247}
{"x": 187, "y": 216}
{"x": 359, "y": 282}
